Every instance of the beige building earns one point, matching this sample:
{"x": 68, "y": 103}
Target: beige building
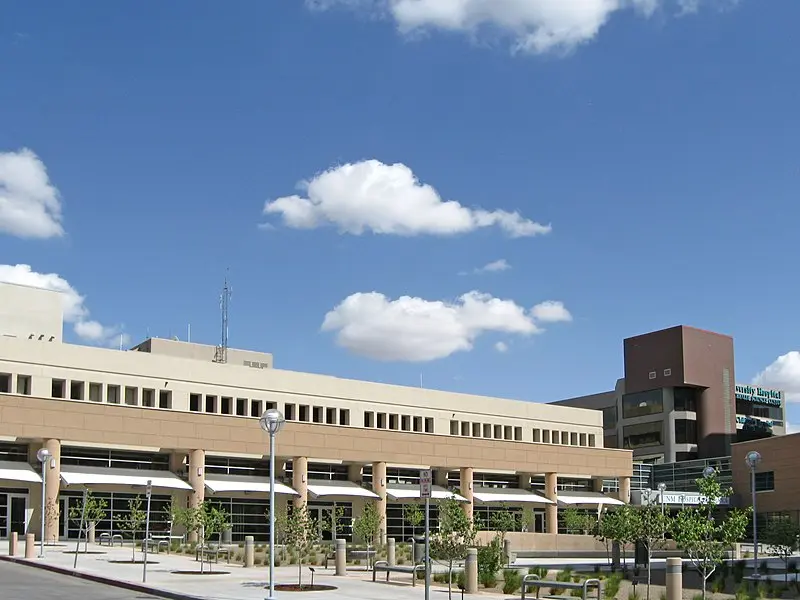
{"x": 167, "y": 412}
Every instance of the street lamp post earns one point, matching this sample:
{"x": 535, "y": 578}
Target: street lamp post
{"x": 753, "y": 459}
{"x": 271, "y": 422}
{"x": 43, "y": 455}
{"x": 662, "y": 487}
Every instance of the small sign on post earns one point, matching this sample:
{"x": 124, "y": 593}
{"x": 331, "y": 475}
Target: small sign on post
{"x": 425, "y": 483}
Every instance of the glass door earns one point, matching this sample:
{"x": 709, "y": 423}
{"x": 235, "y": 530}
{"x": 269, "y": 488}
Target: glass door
{"x": 17, "y": 514}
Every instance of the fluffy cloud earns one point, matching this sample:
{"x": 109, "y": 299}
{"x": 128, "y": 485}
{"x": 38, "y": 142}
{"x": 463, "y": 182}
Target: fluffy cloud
{"x": 501, "y": 347}
{"x": 75, "y": 310}
{"x": 30, "y": 206}
{"x": 534, "y": 26}
{"x": 415, "y": 330}
{"x": 388, "y": 199}
{"x": 551, "y": 311}
{"x": 783, "y": 374}
{"x": 494, "y": 266}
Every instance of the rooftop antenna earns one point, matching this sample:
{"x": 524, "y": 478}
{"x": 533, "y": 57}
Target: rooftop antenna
{"x": 221, "y": 353}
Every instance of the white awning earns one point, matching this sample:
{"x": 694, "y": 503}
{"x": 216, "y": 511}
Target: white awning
{"x": 405, "y": 492}
{"x": 92, "y": 476}
{"x": 18, "y": 471}
{"x": 494, "y": 495}
{"x": 322, "y": 487}
{"x": 586, "y": 499}
{"x": 222, "y": 484}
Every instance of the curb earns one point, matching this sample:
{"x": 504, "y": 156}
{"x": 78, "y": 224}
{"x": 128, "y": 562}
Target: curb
{"x": 127, "y": 585}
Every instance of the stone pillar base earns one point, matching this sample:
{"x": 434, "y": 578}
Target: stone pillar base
{"x": 30, "y": 545}
{"x": 249, "y": 551}
{"x": 12, "y": 544}
{"x": 674, "y": 579}
{"x": 471, "y": 571}
{"x": 341, "y": 557}
{"x": 390, "y": 552}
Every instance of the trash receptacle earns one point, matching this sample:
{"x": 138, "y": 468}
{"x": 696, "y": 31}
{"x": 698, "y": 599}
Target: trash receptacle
{"x": 418, "y": 541}
{"x": 227, "y": 536}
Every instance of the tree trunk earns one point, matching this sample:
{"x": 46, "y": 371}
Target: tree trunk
{"x": 450, "y": 581}
{"x": 300, "y": 571}
{"x": 649, "y": 561}
{"x": 133, "y": 547}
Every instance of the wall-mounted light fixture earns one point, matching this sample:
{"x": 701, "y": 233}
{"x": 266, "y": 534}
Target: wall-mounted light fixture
{"x": 53, "y": 462}
{"x": 199, "y": 471}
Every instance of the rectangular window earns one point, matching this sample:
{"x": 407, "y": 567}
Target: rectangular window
{"x": 498, "y": 432}
{"x": 255, "y": 408}
{"x": 610, "y": 417}
{"x": 565, "y": 438}
{"x": 508, "y": 432}
{"x": 195, "y": 400}
{"x": 5, "y": 383}
{"x": 518, "y": 434}
{"x": 290, "y": 412}
{"x": 765, "y": 482}
{"x": 418, "y": 424}
{"x": 555, "y": 437}
{"x": 330, "y": 416}
{"x": 241, "y": 407}
{"x": 545, "y": 436}
{"x": 96, "y": 392}
{"x": 165, "y": 399}
{"x": 270, "y": 406}
{"x": 685, "y": 398}
{"x": 369, "y": 419}
{"x": 685, "y": 431}
{"x": 583, "y": 439}
{"x": 226, "y": 405}
{"x": 465, "y": 429}
{"x": 305, "y": 413}
{"x": 317, "y": 415}
{"x": 640, "y": 404}
{"x": 573, "y": 439}
{"x": 394, "y": 422}
{"x": 405, "y": 423}
{"x": 381, "y": 420}
{"x": 537, "y": 435}
{"x": 148, "y": 398}
{"x": 344, "y": 416}
{"x": 610, "y": 441}
{"x": 453, "y": 431}
{"x": 24, "y": 385}
{"x": 76, "y": 390}
{"x": 643, "y": 435}
{"x": 131, "y": 394}
{"x": 211, "y": 404}
{"x": 112, "y": 394}
{"x": 58, "y": 388}
{"x": 476, "y": 430}
{"x": 428, "y": 424}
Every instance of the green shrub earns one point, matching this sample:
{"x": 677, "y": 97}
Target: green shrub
{"x": 738, "y": 571}
{"x": 697, "y": 597}
{"x": 512, "y": 581}
{"x": 488, "y": 580}
{"x": 540, "y": 571}
{"x": 564, "y": 575}
{"x": 662, "y": 595}
{"x": 461, "y": 579}
{"x": 612, "y": 586}
{"x": 440, "y": 577}
{"x": 718, "y": 585}
{"x": 634, "y": 595}
{"x": 743, "y": 591}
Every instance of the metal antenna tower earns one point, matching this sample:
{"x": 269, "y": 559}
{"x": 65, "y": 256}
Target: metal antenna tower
{"x": 221, "y": 354}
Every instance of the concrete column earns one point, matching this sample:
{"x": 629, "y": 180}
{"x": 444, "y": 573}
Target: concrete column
{"x": 300, "y": 480}
{"x": 341, "y": 557}
{"x": 30, "y": 545}
{"x": 390, "y": 552}
{"x": 379, "y": 487}
{"x": 197, "y": 479}
{"x": 625, "y": 489}
{"x": 524, "y": 481}
{"x": 674, "y": 579}
{"x": 249, "y": 551}
{"x": 53, "y": 480}
{"x": 466, "y": 489}
{"x": 550, "y": 492}
{"x": 471, "y": 571}
{"x": 354, "y": 472}
{"x": 12, "y": 544}
{"x": 440, "y": 477}
{"x": 597, "y": 484}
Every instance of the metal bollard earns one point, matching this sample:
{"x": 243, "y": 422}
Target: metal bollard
{"x": 341, "y": 557}
{"x": 471, "y": 571}
{"x": 30, "y": 545}
{"x": 390, "y": 552}
{"x": 249, "y": 551}
{"x": 12, "y": 544}
{"x": 674, "y": 579}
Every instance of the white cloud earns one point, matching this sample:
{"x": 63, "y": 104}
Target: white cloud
{"x": 494, "y": 266}
{"x": 783, "y": 374}
{"x": 551, "y": 311}
{"x": 413, "y": 329}
{"x": 501, "y": 347}
{"x": 534, "y": 26}
{"x": 388, "y": 199}
{"x": 75, "y": 310}
{"x": 30, "y": 206}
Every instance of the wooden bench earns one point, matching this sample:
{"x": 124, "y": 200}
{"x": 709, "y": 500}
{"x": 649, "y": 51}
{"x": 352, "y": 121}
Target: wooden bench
{"x": 383, "y": 566}
{"x": 534, "y": 581}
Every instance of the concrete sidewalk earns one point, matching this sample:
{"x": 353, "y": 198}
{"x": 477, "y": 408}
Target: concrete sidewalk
{"x": 237, "y": 584}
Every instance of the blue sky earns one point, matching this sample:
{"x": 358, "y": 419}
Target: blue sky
{"x": 659, "y": 142}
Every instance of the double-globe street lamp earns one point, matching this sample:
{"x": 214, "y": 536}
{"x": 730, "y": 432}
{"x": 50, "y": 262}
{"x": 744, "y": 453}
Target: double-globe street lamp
{"x": 43, "y": 455}
{"x": 272, "y": 421}
{"x": 753, "y": 459}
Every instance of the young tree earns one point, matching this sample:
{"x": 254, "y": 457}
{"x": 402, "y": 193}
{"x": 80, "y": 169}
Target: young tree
{"x": 413, "y": 515}
{"x": 333, "y": 521}
{"x": 455, "y": 536}
{"x": 606, "y": 531}
{"x": 215, "y": 520}
{"x": 652, "y": 524}
{"x": 367, "y": 525}
{"x": 579, "y": 522}
{"x": 301, "y": 536}
{"x": 782, "y": 534}
{"x": 502, "y": 522}
{"x": 618, "y": 526}
{"x": 92, "y": 512}
{"x": 702, "y": 536}
{"x": 204, "y": 520}
{"x": 132, "y": 522}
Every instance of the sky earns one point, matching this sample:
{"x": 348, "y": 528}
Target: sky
{"x": 482, "y": 196}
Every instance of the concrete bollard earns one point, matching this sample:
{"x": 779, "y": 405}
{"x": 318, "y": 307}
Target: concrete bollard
{"x": 471, "y": 571}
{"x": 510, "y": 556}
{"x": 341, "y": 557}
{"x": 674, "y": 579}
{"x": 30, "y": 545}
{"x": 390, "y": 552}
{"x": 249, "y": 551}
{"x": 12, "y": 544}
{"x": 91, "y": 533}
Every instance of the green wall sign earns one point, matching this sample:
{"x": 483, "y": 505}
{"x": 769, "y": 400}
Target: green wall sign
{"x": 759, "y": 395}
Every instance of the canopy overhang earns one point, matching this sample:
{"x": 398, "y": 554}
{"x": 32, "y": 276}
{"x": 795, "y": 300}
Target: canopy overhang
{"x": 18, "y": 471}
{"x": 322, "y": 488}
{"x": 247, "y": 485}
{"x": 587, "y": 499}
{"x": 508, "y": 495}
{"x": 409, "y": 492}
{"x": 98, "y": 476}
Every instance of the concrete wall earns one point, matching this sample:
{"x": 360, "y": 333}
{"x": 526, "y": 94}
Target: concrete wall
{"x": 27, "y": 311}
{"x": 778, "y": 454}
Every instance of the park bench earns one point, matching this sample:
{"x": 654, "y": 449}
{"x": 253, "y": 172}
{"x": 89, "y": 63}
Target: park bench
{"x": 384, "y": 567}
{"x": 110, "y": 539}
{"x": 213, "y": 551}
{"x": 535, "y": 582}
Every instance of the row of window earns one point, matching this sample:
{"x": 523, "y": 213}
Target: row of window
{"x": 23, "y": 384}
{"x": 515, "y": 433}
{"x": 396, "y": 422}
{"x": 109, "y": 393}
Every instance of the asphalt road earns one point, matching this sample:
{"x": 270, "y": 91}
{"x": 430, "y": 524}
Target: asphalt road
{"x": 20, "y": 582}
